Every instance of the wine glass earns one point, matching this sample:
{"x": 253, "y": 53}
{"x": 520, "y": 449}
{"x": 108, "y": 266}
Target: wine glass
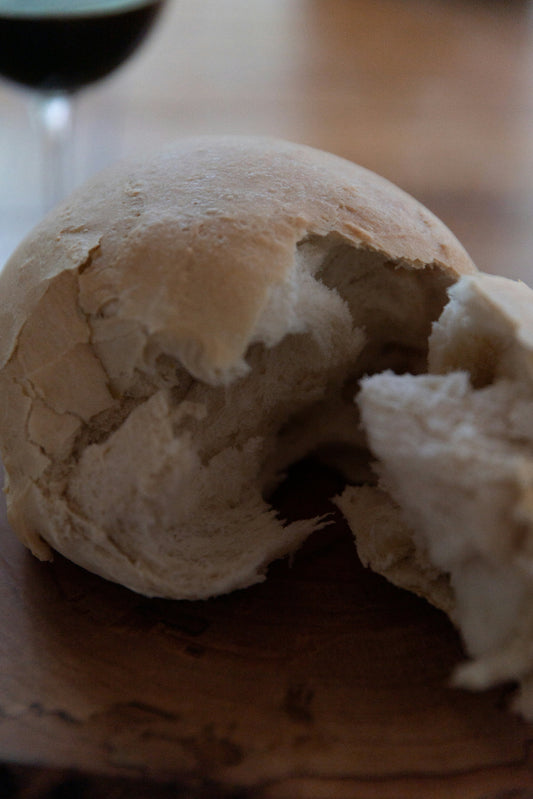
{"x": 57, "y": 47}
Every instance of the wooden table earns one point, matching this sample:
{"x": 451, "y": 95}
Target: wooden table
{"x": 324, "y": 682}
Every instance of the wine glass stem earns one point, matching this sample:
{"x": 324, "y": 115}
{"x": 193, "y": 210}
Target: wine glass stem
{"x": 55, "y": 122}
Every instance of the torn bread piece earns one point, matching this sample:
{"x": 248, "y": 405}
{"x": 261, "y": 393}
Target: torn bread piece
{"x": 181, "y": 330}
{"x": 454, "y": 452}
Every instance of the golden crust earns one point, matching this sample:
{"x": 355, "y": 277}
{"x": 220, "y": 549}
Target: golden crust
{"x": 212, "y": 224}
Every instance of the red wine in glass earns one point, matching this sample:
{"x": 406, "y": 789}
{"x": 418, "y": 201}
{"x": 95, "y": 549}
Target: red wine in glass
{"x": 57, "y": 47}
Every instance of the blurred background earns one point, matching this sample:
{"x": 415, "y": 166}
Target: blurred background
{"x": 435, "y": 95}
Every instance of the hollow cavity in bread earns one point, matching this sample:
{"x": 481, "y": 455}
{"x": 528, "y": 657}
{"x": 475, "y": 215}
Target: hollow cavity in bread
{"x": 165, "y": 488}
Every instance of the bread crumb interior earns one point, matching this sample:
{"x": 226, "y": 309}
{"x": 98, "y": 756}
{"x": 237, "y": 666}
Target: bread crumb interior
{"x": 454, "y": 453}
{"x": 191, "y": 516}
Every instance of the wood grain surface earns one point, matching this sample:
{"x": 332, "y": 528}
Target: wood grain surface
{"x": 324, "y": 682}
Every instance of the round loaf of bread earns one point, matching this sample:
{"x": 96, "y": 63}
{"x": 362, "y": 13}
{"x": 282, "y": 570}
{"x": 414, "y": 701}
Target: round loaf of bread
{"x": 183, "y": 329}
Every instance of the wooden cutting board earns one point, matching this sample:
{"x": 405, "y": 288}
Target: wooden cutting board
{"x": 322, "y": 682}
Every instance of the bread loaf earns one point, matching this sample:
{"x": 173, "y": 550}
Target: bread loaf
{"x": 182, "y": 329}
